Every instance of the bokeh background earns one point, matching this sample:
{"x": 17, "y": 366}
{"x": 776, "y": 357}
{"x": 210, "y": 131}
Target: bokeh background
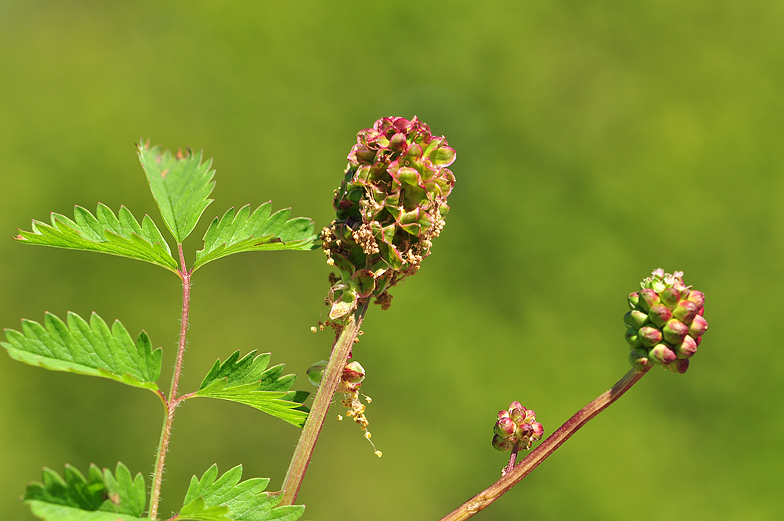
{"x": 596, "y": 141}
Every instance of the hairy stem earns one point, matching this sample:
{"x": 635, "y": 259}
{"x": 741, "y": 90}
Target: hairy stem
{"x": 172, "y": 402}
{"x": 547, "y": 447}
{"x": 318, "y": 412}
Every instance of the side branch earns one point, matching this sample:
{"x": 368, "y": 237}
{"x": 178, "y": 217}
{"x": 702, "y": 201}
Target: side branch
{"x": 547, "y": 447}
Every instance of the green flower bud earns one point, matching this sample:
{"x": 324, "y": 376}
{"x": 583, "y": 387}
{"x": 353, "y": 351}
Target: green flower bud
{"x": 640, "y": 360}
{"x": 505, "y": 427}
{"x": 698, "y": 327}
{"x": 649, "y": 336}
{"x": 316, "y": 371}
{"x": 675, "y": 331}
{"x": 502, "y": 444}
{"x": 632, "y": 337}
{"x": 635, "y": 318}
{"x": 698, "y": 297}
{"x": 685, "y": 311}
{"x": 634, "y": 299}
{"x": 679, "y": 366}
{"x": 353, "y": 373}
{"x": 662, "y": 354}
{"x": 648, "y": 299}
{"x": 659, "y": 315}
{"x": 670, "y": 297}
{"x": 687, "y": 348}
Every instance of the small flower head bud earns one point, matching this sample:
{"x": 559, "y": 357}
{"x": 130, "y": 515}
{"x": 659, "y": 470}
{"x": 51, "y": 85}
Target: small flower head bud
{"x": 666, "y": 323}
{"x": 516, "y": 427}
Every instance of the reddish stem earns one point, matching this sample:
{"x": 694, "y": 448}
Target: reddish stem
{"x": 540, "y": 453}
{"x": 341, "y": 350}
{"x": 173, "y": 401}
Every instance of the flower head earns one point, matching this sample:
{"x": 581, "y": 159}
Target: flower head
{"x": 665, "y": 323}
{"x": 388, "y": 209}
{"x": 516, "y": 427}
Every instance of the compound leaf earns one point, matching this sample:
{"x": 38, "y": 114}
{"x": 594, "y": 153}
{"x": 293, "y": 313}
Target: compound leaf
{"x": 228, "y": 499}
{"x": 259, "y": 231}
{"x": 99, "y": 497}
{"x": 103, "y": 232}
{"x": 90, "y": 349}
{"x": 249, "y": 381}
{"x": 180, "y": 184}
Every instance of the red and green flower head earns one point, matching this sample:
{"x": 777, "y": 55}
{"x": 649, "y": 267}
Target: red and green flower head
{"x": 665, "y": 323}
{"x": 516, "y": 428}
{"x": 389, "y": 207}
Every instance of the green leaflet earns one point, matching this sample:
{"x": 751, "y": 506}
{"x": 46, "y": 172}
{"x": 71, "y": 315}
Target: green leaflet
{"x": 249, "y": 381}
{"x": 99, "y": 497}
{"x": 180, "y": 184}
{"x": 258, "y": 231}
{"x": 103, "y": 232}
{"x": 90, "y": 349}
{"x": 228, "y": 499}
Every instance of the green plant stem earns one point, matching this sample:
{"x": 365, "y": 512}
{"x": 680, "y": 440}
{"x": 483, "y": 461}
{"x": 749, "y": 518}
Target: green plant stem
{"x": 318, "y": 412}
{"x": 547, "y": 447}
{"x": 172, "y": 403}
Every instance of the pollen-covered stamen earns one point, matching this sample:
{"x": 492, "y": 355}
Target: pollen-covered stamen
{"x": 364, "y": 237}
{"x": 350, "y": 383}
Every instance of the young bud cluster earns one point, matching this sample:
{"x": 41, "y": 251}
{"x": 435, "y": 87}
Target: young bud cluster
{"x": 516, "y": 427}
{"x": 389, "y": 208}
{"x": 665, "y": 323}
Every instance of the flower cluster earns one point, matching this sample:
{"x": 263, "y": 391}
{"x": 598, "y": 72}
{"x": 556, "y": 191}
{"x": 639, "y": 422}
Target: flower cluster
{"x": 389, "y": 207}
{"x": 349, "y": 386}
{"x": 516, "y": 428}
{"x": 665, "y": 324}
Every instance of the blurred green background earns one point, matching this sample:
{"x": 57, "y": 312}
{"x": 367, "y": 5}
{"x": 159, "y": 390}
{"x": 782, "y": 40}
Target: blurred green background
{"x": 596, "y": 141}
